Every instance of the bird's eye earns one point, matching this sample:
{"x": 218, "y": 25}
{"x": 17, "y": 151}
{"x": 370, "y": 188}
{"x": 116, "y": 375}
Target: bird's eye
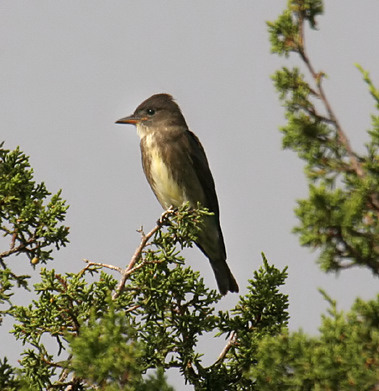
{"x": 150, "y": 111}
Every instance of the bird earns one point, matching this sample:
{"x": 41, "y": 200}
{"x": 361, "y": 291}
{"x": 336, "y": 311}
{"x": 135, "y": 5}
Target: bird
{"x": 177, "y": 169}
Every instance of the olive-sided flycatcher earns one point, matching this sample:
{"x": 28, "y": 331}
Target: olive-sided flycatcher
{"x": 177, "y": 170}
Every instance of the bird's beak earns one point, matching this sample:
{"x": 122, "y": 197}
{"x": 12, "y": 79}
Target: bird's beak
{"x": 132, "y": 119}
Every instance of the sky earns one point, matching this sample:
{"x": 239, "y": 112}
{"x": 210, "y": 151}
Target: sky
{"x": 70, "y": 69}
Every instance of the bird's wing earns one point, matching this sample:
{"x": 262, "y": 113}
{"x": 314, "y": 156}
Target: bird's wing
{"x": 203, "y": 172}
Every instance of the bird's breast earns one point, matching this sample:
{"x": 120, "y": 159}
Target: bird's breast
{"x": 159, "y": 174}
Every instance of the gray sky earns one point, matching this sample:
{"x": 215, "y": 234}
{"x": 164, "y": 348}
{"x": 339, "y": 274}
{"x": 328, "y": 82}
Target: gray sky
{"x": 70, "y": 69}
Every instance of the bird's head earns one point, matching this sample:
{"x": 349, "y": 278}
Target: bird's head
{"x": 158, "y": 113}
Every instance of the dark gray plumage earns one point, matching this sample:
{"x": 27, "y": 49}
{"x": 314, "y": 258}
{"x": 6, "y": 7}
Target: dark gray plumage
{"x": 177, "y": 170}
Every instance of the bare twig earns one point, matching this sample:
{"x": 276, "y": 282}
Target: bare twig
{"x": 135, "y": 258}
{"x": 232, "y": 342}
{"x": 13, "y": 241}
{"x": 65, "y": 372}
{"x": 137, "y": 254}
{"x": 344, "y": 141}
{"x": 100, "y": 264}
{"x": 133, "y": 308}
{"x": 142, "y": 264}
{"x": 19, "y": 248}
{"x": 317, "y": 76}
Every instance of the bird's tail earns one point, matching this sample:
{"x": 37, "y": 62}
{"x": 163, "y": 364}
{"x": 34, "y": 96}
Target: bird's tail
{"x": 211, "y": 243}
{"x": 224, "y": 277}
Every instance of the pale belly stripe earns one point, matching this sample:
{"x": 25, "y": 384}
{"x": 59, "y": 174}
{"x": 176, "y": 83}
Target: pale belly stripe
{"x": 166, "y": 189}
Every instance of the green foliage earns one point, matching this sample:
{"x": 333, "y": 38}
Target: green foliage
{"x": 155, "y": 382}
{"x": 373, "y": 90}
{"x": 32, "y": 224}
{"x": 91, "y": 331}
{"x": 106, "y": 351}
{"x": 286, "y": 33}
{"x": 344, "y": 357}
{"x": 29, "y": 218}
{"x": 109, "y": 332}
{"x": 340, "y": 217}
{"x": 262, "y": 311}
{"x": 8, "y": 375}
{"x": 154, "y": 323}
